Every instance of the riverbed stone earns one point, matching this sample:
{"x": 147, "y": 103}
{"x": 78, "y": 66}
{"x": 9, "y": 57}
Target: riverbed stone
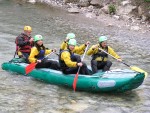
{"x": 84, "y": 3}
{"x": 73, "y": 10}
{"x": 126, "y": 9}
{"x": 140, "y": 11}
{"x": 135, "y": 28}
{"x": 105, "y": 9}
{"x": 97, "y": 3}
{"x": 123, "y": 3}
{"x": 73, "y": 102}
{"x": 116, "y": 17}
{"x": 70, "y": 1}
{"x": 32, "y": 1}
{"x": 90, "y": 15}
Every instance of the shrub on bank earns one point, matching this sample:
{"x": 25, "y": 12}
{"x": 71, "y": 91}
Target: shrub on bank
{"x": 112, "y": 9}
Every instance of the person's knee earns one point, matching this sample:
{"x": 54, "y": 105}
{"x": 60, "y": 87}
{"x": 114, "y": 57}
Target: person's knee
{"x": 84, "y": 64}
{"x": 56, "y": 65}
{"x": 93, "y": 62}
{"x": 109, "y": 63}
{"x": 107, "y": 66}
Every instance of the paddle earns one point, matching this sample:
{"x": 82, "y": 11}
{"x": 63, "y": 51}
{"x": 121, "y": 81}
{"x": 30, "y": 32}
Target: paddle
{"x": 31, "y": 66}
{"x": 76, "y": 76}
{"x": 134, "y": 68}
{"x": 15, "y": 53}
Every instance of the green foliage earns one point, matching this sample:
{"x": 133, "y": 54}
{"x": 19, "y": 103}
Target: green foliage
{"x": 112, "y": 9}
{"x": 147, "y": 0}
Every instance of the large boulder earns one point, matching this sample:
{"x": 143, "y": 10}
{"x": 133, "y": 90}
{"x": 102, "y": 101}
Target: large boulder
{"x": 125, "y": 8}
{"x": 73, "y": 10}
{"x": 70, "y": 1}
{"x": 84, "y": 3}
{"x": 101, "y": 3}
{"x": 105, "y": 9}
{"x": 143, "y": 8}
{"x": 143, "y": 12}
{"x": 97, "y": 3}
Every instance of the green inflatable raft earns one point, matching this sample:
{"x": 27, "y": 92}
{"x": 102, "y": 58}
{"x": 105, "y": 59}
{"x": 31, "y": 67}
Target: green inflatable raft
{"x": 112, "y": 81}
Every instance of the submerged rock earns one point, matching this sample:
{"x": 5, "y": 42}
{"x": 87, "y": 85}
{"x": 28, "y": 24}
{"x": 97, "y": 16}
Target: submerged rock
{"x": 135, "y": 28}
{"x": 32, "y": 1}
{"x": 90, "y": 15}
{"x": 73, "y": 10}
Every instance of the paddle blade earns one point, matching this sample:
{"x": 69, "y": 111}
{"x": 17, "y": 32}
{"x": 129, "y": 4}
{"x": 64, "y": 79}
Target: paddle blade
{"x": 30, "y": 67}
{"x": 75, "y": 81}
{"x": 134, "y": 68}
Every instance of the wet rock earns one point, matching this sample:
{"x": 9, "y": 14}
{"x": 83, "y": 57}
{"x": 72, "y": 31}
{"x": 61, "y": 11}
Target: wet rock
{"x": 143, "y": 12}
{"x": 84, "y": 9}
{"x": 110, "y": 25}
{"x": 71, "y": 5}
{"x": 105, "y": 9}
{"x": 135, "y": 28}
{"x": 32, "y": 1}
{"x": 70, "y": 1}
{"x": 97, "y": 3}
{"x": 91, "y": 8}
{"x": 125, "y": 3}
{"x": 97, "y": 12}
{"x": 90, "y": 15}
{"x": 84, "y": 3}
{"x": 106, "y": 2}
{"x": 140, "y": 11}
{"x": 116, "y": 17}
{"x": 126, "y": 9}
{"x": 92, "y": 101}
{"x": 144, "y": 18}
{"x": 73, "y": 10}
{"x": 73, "y": 102}
{"x": 87, "y": 9}
{"x": 127, "y": 18}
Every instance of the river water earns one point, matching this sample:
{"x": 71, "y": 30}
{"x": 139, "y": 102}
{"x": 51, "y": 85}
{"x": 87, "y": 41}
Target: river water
{"x": 20, "y": 94}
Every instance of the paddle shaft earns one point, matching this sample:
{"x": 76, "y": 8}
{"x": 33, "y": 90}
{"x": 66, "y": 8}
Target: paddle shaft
{"x": 76, "y": 76}
{"x": 47, "y": 55}
{"x": 15, "y": 53}
{"x": 83, "y": 58}
{"x": 134, "y": 68}
{"x": 114, "y": 57}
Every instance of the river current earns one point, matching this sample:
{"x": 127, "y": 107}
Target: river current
{"x": 22, "y": 94}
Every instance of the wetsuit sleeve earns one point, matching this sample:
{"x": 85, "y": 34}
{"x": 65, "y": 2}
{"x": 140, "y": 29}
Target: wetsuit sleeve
{"x": 32, "y": 55}
{"x": 63, "y": 45}
{"x": 79, "y": 49}
{"x": 48, "y": 51}
{"x": 65, "y": 56}
{"x": 113, "y": 53}
{"x": 92, "y": 51}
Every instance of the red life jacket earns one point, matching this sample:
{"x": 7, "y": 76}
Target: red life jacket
{"x": 26, "y": 48}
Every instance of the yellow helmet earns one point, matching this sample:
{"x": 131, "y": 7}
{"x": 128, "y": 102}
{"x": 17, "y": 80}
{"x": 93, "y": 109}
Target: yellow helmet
{"x": 27, "y": 28}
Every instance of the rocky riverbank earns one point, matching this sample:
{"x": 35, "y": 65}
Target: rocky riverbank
{"x": 128, "y": 14}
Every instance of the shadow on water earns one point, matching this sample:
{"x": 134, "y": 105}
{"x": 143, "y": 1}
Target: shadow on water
{"x": 103, "y": 102}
